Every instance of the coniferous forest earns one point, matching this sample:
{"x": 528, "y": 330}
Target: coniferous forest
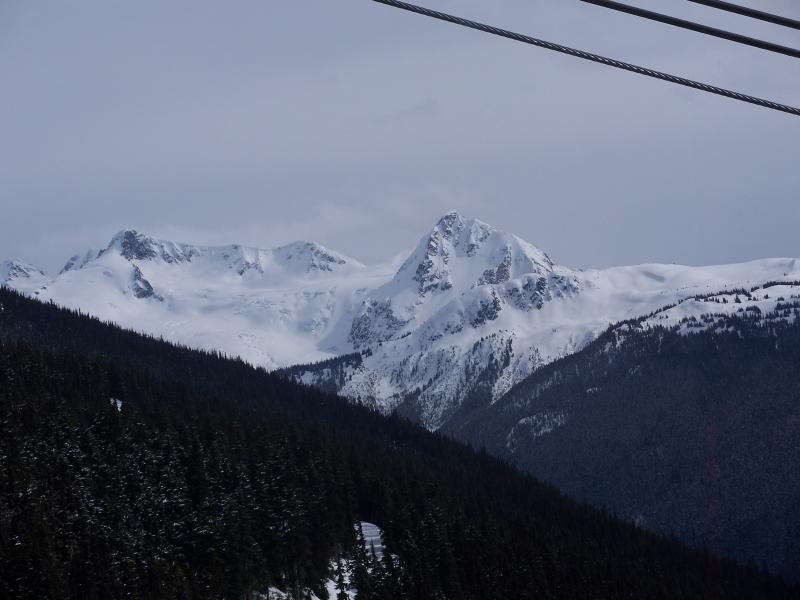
{"x": 693, "y": 435}
{"x": 130, "y": 467}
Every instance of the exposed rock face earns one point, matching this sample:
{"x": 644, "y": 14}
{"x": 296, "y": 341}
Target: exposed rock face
{"x": 376, "y": 324}
{"x": 134, "y": 246}
{"x": 296, "y": 258}
{"x": 499, "y": 274}
{"x": 140, "y": 287}
{"x": 456, "y": 241}
{"x": 488, "y": 310}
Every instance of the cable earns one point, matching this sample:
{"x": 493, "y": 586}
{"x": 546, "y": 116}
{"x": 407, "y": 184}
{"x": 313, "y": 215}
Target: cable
{"x": 589, "y": 56}
{"x": 684, "y": 24}
{"x": 750, "y": 12}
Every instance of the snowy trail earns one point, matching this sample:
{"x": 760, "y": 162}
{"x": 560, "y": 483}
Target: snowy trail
{"x": 373, "y": 538}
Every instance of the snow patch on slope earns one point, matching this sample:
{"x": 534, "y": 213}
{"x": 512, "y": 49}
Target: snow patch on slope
{"x": 535, "y": 426}
{"x": 373, "y": 543}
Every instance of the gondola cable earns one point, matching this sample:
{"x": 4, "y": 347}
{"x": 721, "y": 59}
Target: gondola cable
{"x": 750, "y": 12}
{"x": 698, "y": 27}
{"x": 591, "y": 57}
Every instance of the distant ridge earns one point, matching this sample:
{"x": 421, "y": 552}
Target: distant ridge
{"x": 470, "y": 313}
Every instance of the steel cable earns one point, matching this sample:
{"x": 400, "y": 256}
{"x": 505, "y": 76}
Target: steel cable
{"x": 692, "y": 26}
{"x": 591, "y": 57}
{"x": 750, "y": 12}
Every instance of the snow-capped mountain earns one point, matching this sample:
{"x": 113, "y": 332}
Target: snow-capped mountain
{"x": 471, "y": 312}
{"x": 269, "y": 306}
{"x": 474, "y": 311}
{"x": 22, "y": 276}
{"x": 461, "y": 269}
{"x": 446, "y": 328}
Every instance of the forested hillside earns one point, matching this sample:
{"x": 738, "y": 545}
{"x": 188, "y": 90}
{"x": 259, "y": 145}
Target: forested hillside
{"x": 133, "y": 468}
{"x": 695, "y": 435}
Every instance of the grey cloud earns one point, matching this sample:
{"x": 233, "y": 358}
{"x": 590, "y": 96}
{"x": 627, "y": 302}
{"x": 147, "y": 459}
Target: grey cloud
{"x": 425, "y": 109}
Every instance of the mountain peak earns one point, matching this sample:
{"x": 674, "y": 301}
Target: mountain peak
{"x": 22, "y": 275}
{"x": 449, "y": 219}
{"x": 132, "y": 245}
{"x": 311, "y": 256}
{"x": 16, "y": 268}
{"x": 454, "y": 223}
{"x": 472, "y": 251}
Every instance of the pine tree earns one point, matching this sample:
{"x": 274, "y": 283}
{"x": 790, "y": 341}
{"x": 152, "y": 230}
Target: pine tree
{"x": 341, "y": 584}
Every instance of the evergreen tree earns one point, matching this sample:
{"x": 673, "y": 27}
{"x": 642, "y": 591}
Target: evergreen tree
{"x": 219, "y": 480}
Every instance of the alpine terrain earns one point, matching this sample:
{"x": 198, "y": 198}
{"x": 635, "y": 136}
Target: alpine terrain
{"x": 470, "y": 313}
{"x": 665, "y": 394}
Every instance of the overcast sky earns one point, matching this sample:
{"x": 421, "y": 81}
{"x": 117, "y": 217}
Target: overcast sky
{"x": 357, "y": 125}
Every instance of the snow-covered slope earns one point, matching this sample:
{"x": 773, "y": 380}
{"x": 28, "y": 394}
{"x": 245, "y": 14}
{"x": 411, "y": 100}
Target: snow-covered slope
{"x": 471, "y": 312}
{"x": 475, "y": 310}
{"x": 22, "y": 276}
{"x": 270, "y": 307}
{"x": 371, "y": 538}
